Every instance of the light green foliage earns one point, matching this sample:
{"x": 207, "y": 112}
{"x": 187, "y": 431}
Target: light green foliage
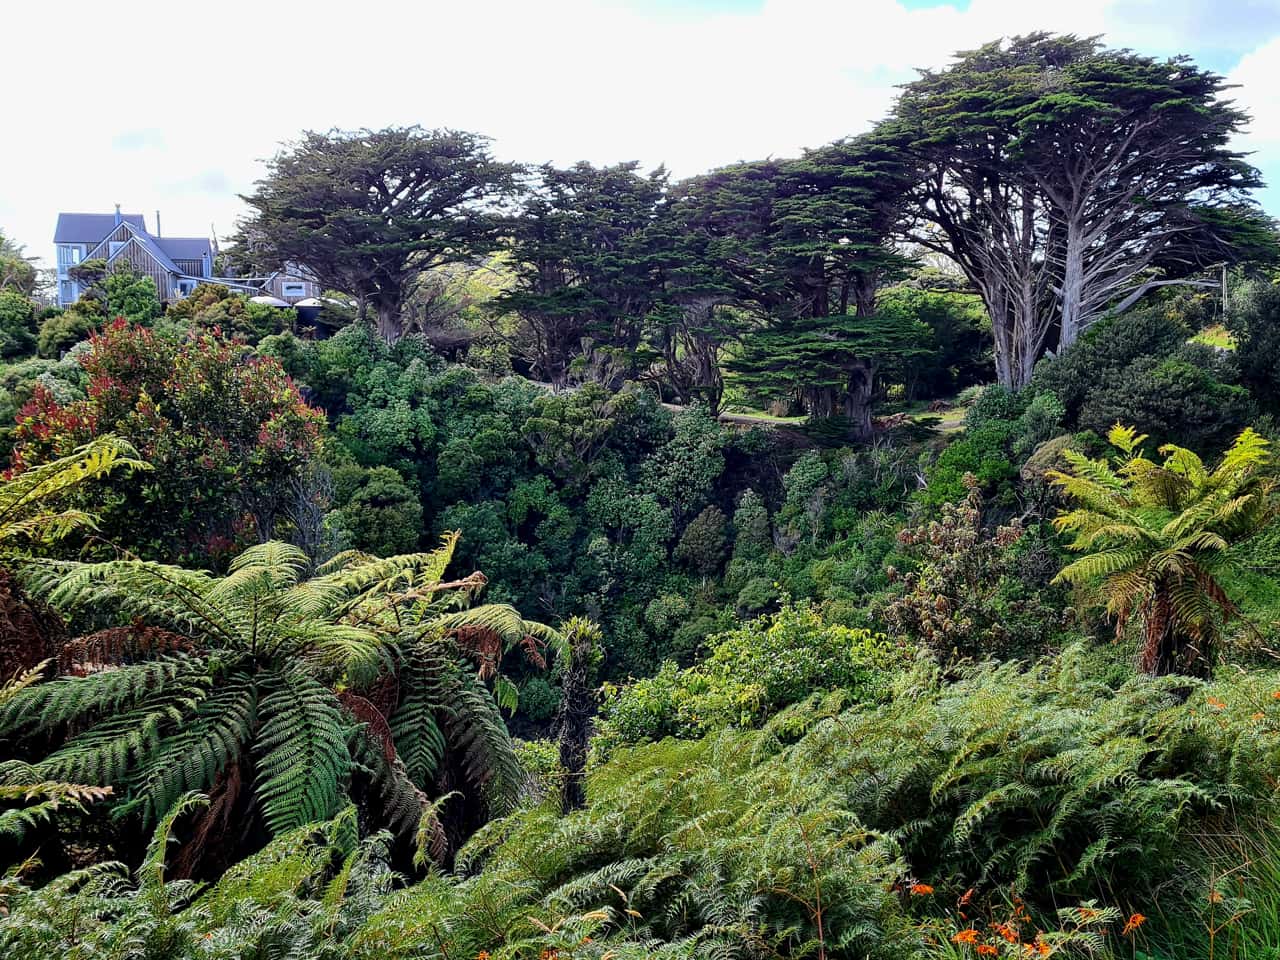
{"x": 1037, "y": 778}
{"x": 212, "y": 305}
{"x": 752, "y": 536}
{"x": 682, "y": 471}
{"x": 749, "y": 673}
{"x": 64, "y": 330}
{"x": 806, "y": 492}
{"x": 131, "y": 296}
{"x": 29, "y": 508}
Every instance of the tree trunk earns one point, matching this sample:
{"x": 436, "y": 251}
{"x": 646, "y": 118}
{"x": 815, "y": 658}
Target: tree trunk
{"x": 573, "y": 719}
{"x": 1165, "y": 649}
{"x": 857, "y": 404}
{"x": 30, "y": 631}
{"x": 1072, "y": 286}
{"x": 390, "y": 323}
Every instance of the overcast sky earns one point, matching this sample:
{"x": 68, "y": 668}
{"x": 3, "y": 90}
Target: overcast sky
{"x": 140, "y": 103}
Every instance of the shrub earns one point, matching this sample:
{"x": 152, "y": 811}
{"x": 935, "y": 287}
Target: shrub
{"x": 702, "y": 545}
{"x": 750, "y": 672}
{"x": 17, "y": 324}
{"x": 972, "y": 593}
{"x": 227, "y": 435}
{"x": 382, "y": 515}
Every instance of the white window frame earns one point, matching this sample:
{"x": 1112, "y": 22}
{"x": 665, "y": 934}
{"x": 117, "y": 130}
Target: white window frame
{"x": 293, "y": 289}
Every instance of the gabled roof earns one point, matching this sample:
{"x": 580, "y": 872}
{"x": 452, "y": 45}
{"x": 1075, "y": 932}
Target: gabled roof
{"x": 185, "y": 248}
{"x": 91, "y": 227}
{"x": 144, "y": 239}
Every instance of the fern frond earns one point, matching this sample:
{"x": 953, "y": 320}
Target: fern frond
{"x": 301, "y": 752}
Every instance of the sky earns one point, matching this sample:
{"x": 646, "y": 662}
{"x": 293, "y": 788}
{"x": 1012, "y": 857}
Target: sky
{"x": 141, "y": 103}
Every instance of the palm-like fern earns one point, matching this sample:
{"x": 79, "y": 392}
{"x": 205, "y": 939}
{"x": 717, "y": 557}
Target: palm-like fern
{"x": 38, "y": 799}
{"x": 26, "y": 498}
{"x": 1157, "y": 539}
{"x": 299, "y": 689}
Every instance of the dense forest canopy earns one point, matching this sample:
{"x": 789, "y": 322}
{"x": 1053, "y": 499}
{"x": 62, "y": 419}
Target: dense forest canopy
{"x": 869, "y": 553}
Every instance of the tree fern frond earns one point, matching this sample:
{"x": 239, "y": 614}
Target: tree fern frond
{"x": 300, "y": 751}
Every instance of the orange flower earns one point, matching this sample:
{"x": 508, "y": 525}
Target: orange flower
{"x": 1215, "y": 896}
{"x": 1259, "y": 716}
{"x": 482, "y": 955}
{"x": 921, "y": 889}
{"x": 1275, "y": 694}
{"x": 1038, "y": 949}
{"x": 1217, "y": 704}
{"x": 968, "y": 895}
{"x": 987, "y": 950}
{"x": 1132, "y": 924}
{"x": 966, "y": 936}
{"x": 1007, "y": 931}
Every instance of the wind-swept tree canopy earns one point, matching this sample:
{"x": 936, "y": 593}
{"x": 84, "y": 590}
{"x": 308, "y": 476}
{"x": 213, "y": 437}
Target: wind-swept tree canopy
{"x": 1059, "y": 175}
{"x": 586, "y": 275}
{"x": 367, "y": 211}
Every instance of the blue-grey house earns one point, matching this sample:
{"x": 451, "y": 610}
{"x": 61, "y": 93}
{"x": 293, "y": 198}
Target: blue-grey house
{"x": 176, "y": 264}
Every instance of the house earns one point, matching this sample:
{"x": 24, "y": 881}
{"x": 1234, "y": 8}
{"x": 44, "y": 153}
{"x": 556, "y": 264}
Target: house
{"x": 176, "y": 264}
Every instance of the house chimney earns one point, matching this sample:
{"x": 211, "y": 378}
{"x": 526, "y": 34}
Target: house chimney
{"x": 157, "y": 223}
{"x": 117, "y": 213}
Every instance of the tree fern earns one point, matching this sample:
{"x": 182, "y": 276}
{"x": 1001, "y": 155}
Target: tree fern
{"x": 301, "y": 752}
{"x": 274, "y": 681}
{"x": 26, "y": 512}
{"x": 1156, "y": 540}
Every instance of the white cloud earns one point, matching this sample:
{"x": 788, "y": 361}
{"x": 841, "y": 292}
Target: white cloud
{"x": 1258, "y": 76}
{"x": 143, "y": 104}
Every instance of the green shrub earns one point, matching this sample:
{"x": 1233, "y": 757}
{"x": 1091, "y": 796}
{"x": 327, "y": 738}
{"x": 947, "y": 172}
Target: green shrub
{"x": 538, "y": 700}
{"x": 382, "y": 515}
{"x": 702, "y": 544}
{"x": 750, "y": 672}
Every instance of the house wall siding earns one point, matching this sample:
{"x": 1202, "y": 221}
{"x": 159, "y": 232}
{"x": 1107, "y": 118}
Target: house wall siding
{"x": 136, "y": 256}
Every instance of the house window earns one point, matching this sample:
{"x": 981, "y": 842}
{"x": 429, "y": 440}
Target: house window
{"x": 293, "y": 289}
{"x": 114, "y": 246}
{"x": 67, "y": 292}
{"x": 68, "y": 255}
{"x": 185, "y": 287}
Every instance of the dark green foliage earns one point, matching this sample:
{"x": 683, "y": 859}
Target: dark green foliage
{"x": 586, "y": 271}
{"x": 17, "y": 324}
{"x": 281, "y": 695}
{"x": 382, "y": 515}
{"x": 1254, "y": 321}
{"x": 368, "y": 211}
{"x": 1138, "y": 368}
{"x": 1004, "y": 153}
{"x": 702, "y": 544}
